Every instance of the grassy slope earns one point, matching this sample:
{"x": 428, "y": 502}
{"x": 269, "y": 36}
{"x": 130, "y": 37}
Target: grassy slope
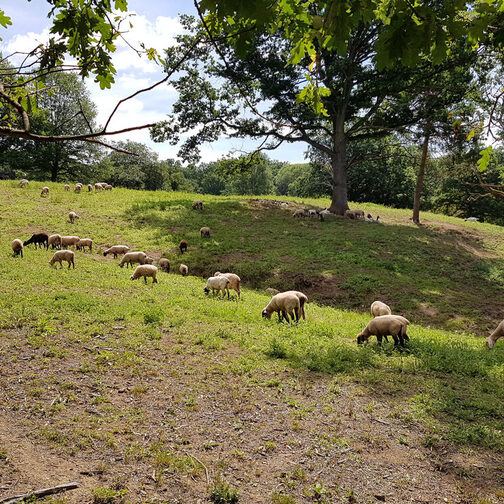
{"x": 94, "y": 326}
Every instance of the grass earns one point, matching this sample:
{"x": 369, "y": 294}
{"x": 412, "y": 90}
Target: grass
{"x": 99, "y": 328}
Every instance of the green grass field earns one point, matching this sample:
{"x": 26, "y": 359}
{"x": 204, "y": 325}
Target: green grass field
{"x": 153, "y": 393}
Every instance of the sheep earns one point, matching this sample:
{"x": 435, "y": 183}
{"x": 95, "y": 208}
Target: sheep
{"x": 45, "y": 191}
{"x": 78, "y": 188}
{"x": 378, "y": 308}
{"x": 299, "y": 213}
{"x": 17, "y": 247}
{"x": 234, "y": 280}
{"x": 164, "y": 264}
{"x": 302, "y": 300}
{"x": 133, "y": 257}
{"x": 67, "y": 188}
{"x": 383, "y": 325}
{"x": 83, "y": 243}
{"x": 183, "y": 269}
{"x": 472, "y": 219}
{"x": 145, "y": 270}
{"x": 197, "y": 205}
{"x": 354, "y": 214}
{"x": 89, "y": 188}
{"x": 205, "y": 232}
{"x": 108, "y": 187}
{"x": 98, "y": 186}
{"x": 183, "y": 246}
{"x": 63, "y": 255}
{"x": 68, "y": 241}
{"x": 116, "y": 250}
{"x": 284, "y": 303}
{"x": 217, "y": 283}
{"x": 39, "y": 239}
{"x": 73, "y": 216}
{"x": 23, "y": 182}
{"x": 498, "y": 333}
{"x": 271, "y": 290}
{"x": 55, "y": 241}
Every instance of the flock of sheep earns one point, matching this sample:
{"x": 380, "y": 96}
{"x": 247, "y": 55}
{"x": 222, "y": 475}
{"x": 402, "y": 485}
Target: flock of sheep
{"x": 285, "y": 304}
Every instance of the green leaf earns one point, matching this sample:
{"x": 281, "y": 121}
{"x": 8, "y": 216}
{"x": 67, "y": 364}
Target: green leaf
{"x": 484, "y": 160}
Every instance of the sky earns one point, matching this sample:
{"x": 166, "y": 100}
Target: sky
{"x": 156, "y": 23}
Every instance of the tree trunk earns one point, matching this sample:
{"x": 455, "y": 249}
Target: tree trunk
{"x": 420, "y": 177}
{"x": 339, "y": 201}
{"x": 54, "y": 170}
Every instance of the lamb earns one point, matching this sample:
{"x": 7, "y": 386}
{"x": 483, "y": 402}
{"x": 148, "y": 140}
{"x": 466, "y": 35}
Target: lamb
{"x": 284, "y": 303}
{"x": 67, "y": 188}
{"x": 164, "y": 264}
{"x": 39, "y": 239}
{"x": 17, "y": 247}
{"x": 355, "y": 214}
{"x": 98, "y": 186}
{"x": 498, "y": 333}
{"x": 23, "y": 182}
{"x": 378, "y": 308}
{"x": 299, "y": 213}
{"x": 45, "y": 191}
{"x": 234, "y": 280}
{"x": 183, "y": 246}
{"x": 78, "y": 188}
{"x": 383, "y": 325}
{"x": 183, "y": 270}
{"x": 89, "y": 188}
{"x": 55, "y": 241}
{"x": 116, "y": 250}
{"x": 205, "y": 232}
{"x": 197, "y": 205}
{"x": 63, "y": 255}
{"x": 83, "y": 243}
{"x": 73, "y": 216}
{"x": 217, "y": 283}
{"x": 302, "y": 300}
{"x": 68, "y": 241}
{"x": 133, "y": 257}
{"x": 145, "y": 270}
{"x": 108, "y": 187}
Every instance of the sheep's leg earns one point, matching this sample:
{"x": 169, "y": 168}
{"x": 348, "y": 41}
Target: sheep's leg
{"x": 279, "y": 316}
{"x": 379, "y": 338}
{"x": 296, "y": 312}
{"x": 396, "y": 340}
{"x": 227, "y": 292}
{"x": 285, "y": 316}
{"x": 145, "y": 278}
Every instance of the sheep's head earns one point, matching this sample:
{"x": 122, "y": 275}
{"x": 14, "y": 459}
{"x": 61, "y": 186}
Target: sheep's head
{"x": 206, "y": 290}
{"x": 361, "y": 338}
{"x": 489, "y": 343}
{"x": 266, "y": 314}
{"x": 133, "y": 277}
{"x": 149, "y": 260}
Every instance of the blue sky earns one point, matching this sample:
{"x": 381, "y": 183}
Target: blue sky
{"x": 155, "y": 23}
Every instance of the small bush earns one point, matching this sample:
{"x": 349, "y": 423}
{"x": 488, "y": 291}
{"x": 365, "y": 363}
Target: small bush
{"x": 223, "y": 493}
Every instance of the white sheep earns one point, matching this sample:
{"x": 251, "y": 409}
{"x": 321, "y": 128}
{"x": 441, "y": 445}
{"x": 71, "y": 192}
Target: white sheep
{"x": 271, "y": 290}
{"x": 217, "y": 283}
{"x": 498, "y": 333}
{"x": 69, "y": 241}
{"x": 89, "y": 187}
{"x": 67, "y": 188}
{"x": 73, "y": 216}
{"x": 145, "y": 270}
{"x": 234, "y": 280}
{"x": 285, "y": 304}
{"x": 83, "y": 243}
{"x": 133, "y": 257}
{"x": 384, "y": 325}
{"x": 355, "y": 214}
{"x": 378, "y": 308}
{"x": 472, "y": 219}
{"x": 98, "y": 186}
{"x": 23, "y": 182}
{"x": 17, "y": 247}
{"x": 55, "y": 241}
{"x": 164, "y": 264}
{"x": 299, "y": 213}
{"x": 183, "y": 270}
{"x": 45, "y": 191}
{"x": 63, "y": 255}
{"x": 78, "y": 188}
{"x": 116, "y": 250}
{"x": 205, "y": 232}
{"x": 302, "y": 300}
{"x": 108, "y": 187}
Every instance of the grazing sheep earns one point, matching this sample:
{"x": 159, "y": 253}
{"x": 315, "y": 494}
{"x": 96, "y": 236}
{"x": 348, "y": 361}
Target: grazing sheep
{"x": 299, "y": 213}
{"x": 271, "y": 290}
{"x": 98, "y": 186}
{"x": 83, "y": 243}
{"x": 217, "y": 283}
{"x": 116, "y": 250}
{"x": 39, "y": 239}
{"x": 73, "y": 216}
{"x": 17, "y": 247}
{"x": 133, "y": 257}
{"x": 145, "y": 270}
{"x": 472, "y": 219}
{"x": 164, "y": 264}
{"x": 45, "y": 191}
{"x": 197, "y": 205}
{"x": 78, "y": 188}
{"x": 378, "y": 308}
{"x": 183, "y": 246}
{"x": 284, "y": 303}
{"x": 498, "y": 333}
{"x": 234, "y": 280}
{"x": 205, "y": 232}
{"x": 67, "y": 188}
{"x": 302, "y": 300}
{"x": 63, "y": 255}
{"x": 23, "y": 182}
{"x": 183, "y": 270}
{"x": 381, "y": 326}
{"x": 55, "y": 241}
{"x": 108, "y": 187}
{"x": 69, "y": 241}
{"x": 354, "y": 214}
{"x": 89, "y": 187}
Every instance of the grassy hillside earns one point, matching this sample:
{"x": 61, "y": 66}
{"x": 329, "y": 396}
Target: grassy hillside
{"x": 158, "y": 393}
